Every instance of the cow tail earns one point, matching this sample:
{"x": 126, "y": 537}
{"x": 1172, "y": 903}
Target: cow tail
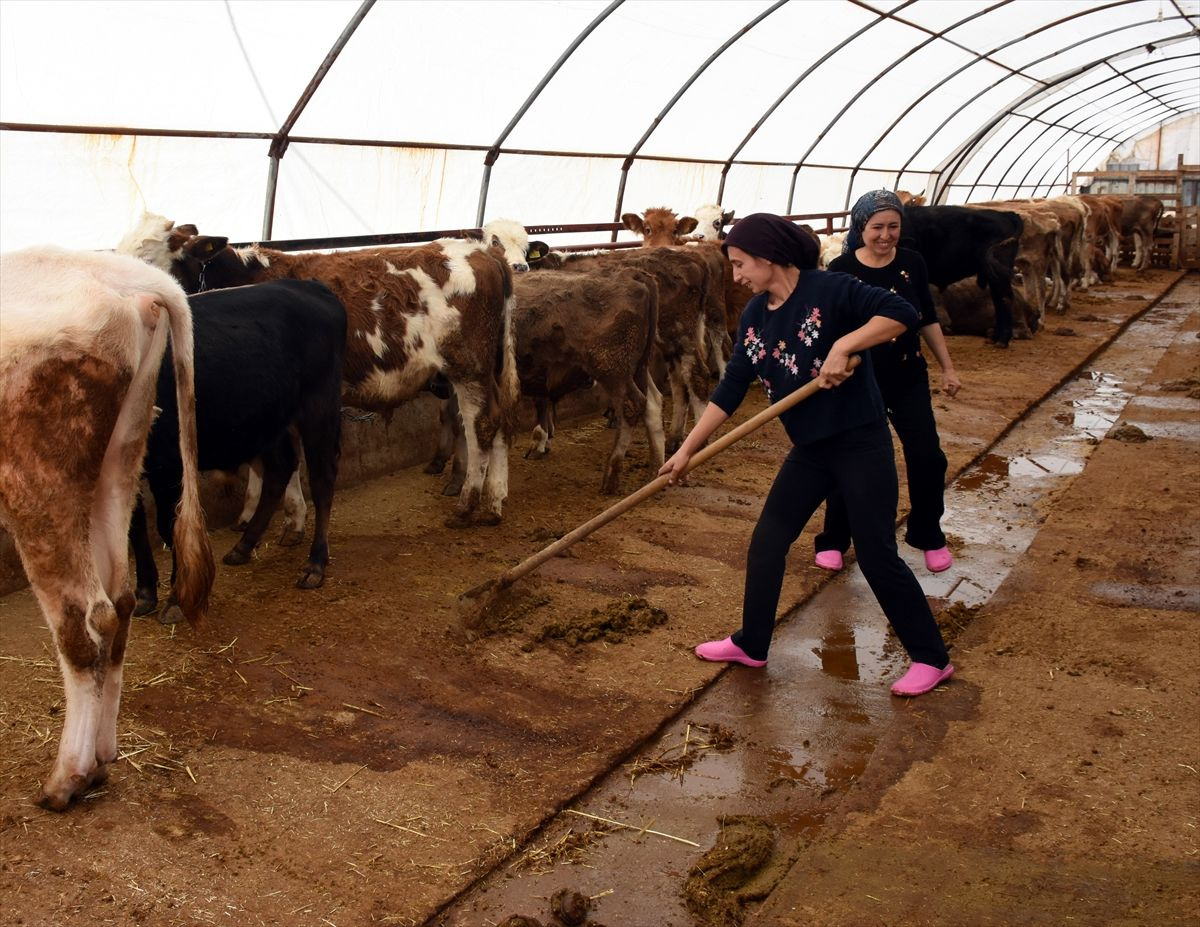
{"x": 195, "y": 569}
{"x": 506, "y": 358}
{"x": 645, "y": 362}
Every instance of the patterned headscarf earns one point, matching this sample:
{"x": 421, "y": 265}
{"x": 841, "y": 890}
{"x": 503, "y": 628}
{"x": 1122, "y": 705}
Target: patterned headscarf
{"x": 866, "y": 206}
{"x": 766, "y": 235}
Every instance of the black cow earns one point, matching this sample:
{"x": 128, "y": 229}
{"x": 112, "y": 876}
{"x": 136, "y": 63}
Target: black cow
{"x": 958, "y": 242}
{"x": 268, "y": 363}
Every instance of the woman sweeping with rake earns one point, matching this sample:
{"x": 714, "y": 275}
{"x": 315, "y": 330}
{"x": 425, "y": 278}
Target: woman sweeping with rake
{"x": 803, "y": 324}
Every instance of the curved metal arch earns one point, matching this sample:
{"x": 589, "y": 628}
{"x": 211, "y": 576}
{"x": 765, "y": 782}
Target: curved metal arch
{"x": 857, "y": 167}
{"x": 1090, "y": 101}
{"x": 949, "y": 77}
{"x": 869, "y": 84}
{"x": 881, "y": 17}
{"x": 950, "y": 167}
{"x": 1015, "y": 72}
{"x": 1045, "y": 174}
{"x": 629, "y": 158}
{"x": 1136, "y": 130}
{"x": 1125, "y": 117}
{"x": 281, "y": 139}
{"x": 494, "y": 152}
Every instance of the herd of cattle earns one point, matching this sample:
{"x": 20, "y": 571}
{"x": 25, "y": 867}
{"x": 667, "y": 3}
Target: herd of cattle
{"x": 267, "y": 347}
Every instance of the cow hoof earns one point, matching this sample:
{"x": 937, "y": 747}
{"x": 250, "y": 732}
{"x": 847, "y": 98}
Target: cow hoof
{"x": 145, "y": 605}
{"x": 236, "y": 557}
{"x": 435, "y": 466}
{"x": 458, "y": 520}
{"x": 291, "y": 537}
{"x": 241, "y": 526}
{"x": 488, "y": 518}
{"x": 311, "y": 577}
{"x": 453, "y": 488}
{"x": 172, "y": 614}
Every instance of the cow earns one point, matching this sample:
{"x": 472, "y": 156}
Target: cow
{"x": 82, "y": 336}
{"x": 1138, "y": 219}
{"x": 415, "y": 315}
{"x": 831, "y": 248}
{"x": 510, "y": 237}
{"x": 910, "y": 199}
{"x": 660, "y": 227}
{"x": 1103, "y": 232}
{"x": 711, "y": 221}
{"x": 1040, "y": 254}
{"x": 682, "y": 280}
{"x": 574, "y": 331}
{"x": 268, "y": 363}
{"x": 958, "y": 242}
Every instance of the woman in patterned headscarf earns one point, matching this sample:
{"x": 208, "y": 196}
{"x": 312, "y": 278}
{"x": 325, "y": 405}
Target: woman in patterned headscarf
{"x": 874, "y": 257}
{"x": 803, "y": 324}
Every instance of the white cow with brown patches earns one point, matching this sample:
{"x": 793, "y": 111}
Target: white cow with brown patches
{"x": 82, "y": 336}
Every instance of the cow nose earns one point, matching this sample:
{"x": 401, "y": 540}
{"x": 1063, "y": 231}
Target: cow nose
{"x": 520, "y": 268}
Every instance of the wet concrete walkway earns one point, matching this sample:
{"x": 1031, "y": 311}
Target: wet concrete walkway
{"x": 802, "y": 730}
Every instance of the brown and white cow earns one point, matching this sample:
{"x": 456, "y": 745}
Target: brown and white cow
{"x": 1103, "y": 235}
{"x": 413, "y": 313}
{"x": 82, "y": 336}
{"x": 711, "y": 220}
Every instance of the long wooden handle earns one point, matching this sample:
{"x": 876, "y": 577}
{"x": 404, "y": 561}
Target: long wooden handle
{"x": 619, "y": 508}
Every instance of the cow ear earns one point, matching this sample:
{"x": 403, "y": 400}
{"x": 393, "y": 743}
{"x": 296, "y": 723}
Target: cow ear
{"x": 726, "y": 217}
{"x": 179, "y": 236}
{"x": 633, "y": 222}
{"x": 203, "y": 247}
{"x": 473, "y": 234}
{"x": 537, "y": 251}
{"x": 686, "y": 225}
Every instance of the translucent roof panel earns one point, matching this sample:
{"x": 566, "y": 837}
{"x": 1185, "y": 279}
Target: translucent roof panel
{"x": 256, "y": 119}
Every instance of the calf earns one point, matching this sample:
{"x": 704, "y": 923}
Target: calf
{"x": 268, "y": 363}
{"x": 958, "y": 242}
{"x": 711, "y": 221}
{"x": 574, "y": 331}
{"x": 441, "y": 310}
{"x": 82, "y": 336}
{"x": 681, "y": 280}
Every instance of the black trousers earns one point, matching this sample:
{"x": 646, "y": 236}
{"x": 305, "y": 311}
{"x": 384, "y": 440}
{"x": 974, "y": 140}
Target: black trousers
{"x": 859, "y": 464}
{"x": 911, "y": 413}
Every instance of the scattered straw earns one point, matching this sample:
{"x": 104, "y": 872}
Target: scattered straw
{"x": 698, "y": 739}
{"x": 640, "y": 830}
{"x": 344, "y": 781}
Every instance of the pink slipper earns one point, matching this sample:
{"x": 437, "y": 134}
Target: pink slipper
{"x": 921, "y": 678}
{"x": 726, "y": 651}
{"x": 830, "y": 560}
{"x": 938, "y": 560}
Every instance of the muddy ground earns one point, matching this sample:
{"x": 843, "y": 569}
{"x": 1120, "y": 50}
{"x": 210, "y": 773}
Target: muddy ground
{"x": 352, "y": 756}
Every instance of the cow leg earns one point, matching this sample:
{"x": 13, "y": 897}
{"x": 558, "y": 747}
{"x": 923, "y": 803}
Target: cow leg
{"x": 543, "y": 431}
{"x": 253, "y": 494}
{"x": 145, "y": 567}
{"x": 495, "y": 487}
{"x": 447, "y": 437}
{"x": 279, "y": 463}
{"x": 474, "y": 465}
{"x": 652, "y": 416}
{"x": 295, "y": 509}
{"x": 322, "y": 446}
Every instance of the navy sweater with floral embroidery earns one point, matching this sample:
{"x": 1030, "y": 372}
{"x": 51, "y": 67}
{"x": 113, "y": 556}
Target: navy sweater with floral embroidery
{"x": 784, "y": 348}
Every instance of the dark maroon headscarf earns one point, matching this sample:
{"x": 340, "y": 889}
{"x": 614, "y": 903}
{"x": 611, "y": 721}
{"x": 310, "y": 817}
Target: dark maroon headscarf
{"x": 774, "y": 238}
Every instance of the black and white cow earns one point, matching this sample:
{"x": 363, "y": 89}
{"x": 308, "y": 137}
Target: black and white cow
{"x": 268, "y": 362}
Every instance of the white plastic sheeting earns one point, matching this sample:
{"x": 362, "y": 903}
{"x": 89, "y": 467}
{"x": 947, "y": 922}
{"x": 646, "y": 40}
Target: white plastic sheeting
{"x": 797, "y": 106}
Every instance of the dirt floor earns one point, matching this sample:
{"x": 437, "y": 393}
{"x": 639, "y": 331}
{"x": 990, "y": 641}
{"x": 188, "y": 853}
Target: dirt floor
{"x": 365, "y": 753}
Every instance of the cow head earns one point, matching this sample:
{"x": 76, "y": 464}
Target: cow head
{"x": 510, "y": 237}
{"x": 910, "y": 199}
{"x": 711, "y": 222}
{"x": 659, "y": 226}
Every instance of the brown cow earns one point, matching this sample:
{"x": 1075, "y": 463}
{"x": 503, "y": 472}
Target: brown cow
{"x": 1103, "y": 236}
{"x": 82, "y": 336}
{"x": 413, "y": 313}
{"x": 573, "y": 331}
{"x": 1139, "y": 218}
{"x": 682, "y": 281}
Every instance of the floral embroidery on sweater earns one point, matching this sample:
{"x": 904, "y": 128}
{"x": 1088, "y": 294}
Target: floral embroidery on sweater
{"x": 810, "y": 328}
